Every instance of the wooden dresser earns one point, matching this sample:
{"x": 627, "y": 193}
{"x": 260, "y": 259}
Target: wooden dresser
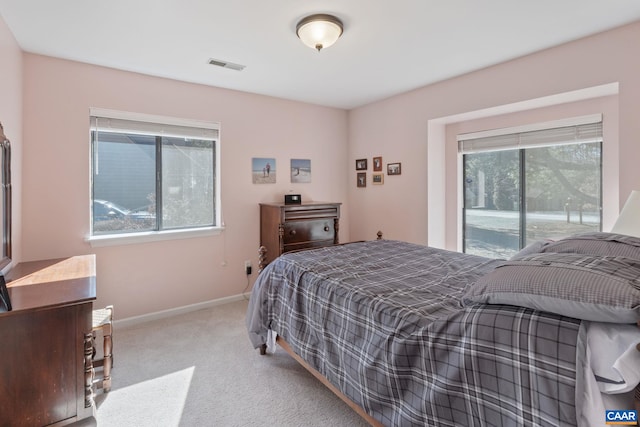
{"x": 45, "y": 343}
{"x": 285, "y": 228}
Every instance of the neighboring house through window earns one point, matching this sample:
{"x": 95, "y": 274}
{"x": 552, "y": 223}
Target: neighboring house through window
{"x": 152, "y": 174}
{"x": 531, "y": 183}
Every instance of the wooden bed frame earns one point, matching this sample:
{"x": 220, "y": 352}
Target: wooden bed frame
{"x": 357, "y": 408}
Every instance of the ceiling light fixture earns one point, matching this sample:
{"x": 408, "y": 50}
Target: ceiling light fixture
{"x": 319, "y": 31}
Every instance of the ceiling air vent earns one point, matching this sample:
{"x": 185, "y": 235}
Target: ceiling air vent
{"x": 226, "y": 64}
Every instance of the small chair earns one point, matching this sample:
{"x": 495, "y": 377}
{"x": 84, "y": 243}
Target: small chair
{"x": 102, "y": 321}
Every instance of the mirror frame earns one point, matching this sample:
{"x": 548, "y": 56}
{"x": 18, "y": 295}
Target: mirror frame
{"x": 5, "y": 177}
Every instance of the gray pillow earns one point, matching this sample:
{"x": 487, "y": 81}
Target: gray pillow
{"x": 533, "y": 248}
{"x": 596, "y": 243}
{"x": 588, "y": 287}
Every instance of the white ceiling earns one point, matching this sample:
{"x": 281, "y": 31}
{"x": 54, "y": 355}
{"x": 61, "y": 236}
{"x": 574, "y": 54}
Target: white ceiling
{"x": 387, "y": 47}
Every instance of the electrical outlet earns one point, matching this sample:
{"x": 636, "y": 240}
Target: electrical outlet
{"x": 247, "y": 267}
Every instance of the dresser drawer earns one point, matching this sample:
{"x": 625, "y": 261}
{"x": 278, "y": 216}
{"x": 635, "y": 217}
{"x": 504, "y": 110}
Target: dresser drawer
{"x": 304, "y": 212}
{"x": 307, "y": 231}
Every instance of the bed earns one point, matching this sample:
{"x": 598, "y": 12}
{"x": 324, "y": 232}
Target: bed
{"x": 412, "y": 335}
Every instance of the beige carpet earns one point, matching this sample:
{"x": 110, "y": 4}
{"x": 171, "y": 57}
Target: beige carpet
{"x": 198, "y": 369}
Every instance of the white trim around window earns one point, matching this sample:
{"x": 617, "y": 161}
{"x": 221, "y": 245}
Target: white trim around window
{"x": 151, "y": 236}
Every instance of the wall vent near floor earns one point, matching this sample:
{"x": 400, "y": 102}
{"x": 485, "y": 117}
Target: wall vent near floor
{"x": 226, "y": 64}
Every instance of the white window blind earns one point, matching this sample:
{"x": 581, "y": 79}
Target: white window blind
{"x": 586, "y": 130}
{"x": 142, "y": 124}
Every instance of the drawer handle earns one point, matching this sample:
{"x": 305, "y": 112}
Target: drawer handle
{"x": 292, "y": 232}
{"x": 326, "y": 228}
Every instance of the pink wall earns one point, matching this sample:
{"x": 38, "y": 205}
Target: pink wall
{"x": 398, "y": 128}
{"x": 11, "y": 119}
{"x": 150, "y": 277}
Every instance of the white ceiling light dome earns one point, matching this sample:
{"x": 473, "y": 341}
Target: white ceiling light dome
{"x": 319, "y": 31}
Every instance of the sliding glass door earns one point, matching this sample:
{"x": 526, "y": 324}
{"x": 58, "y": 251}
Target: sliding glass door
{"x": 492, "y": 203}
{"x": 513, "y": 197}
{"x": 563, "y": 191}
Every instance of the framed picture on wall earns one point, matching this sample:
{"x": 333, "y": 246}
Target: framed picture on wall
{"x": 377, "y": 164}
{"x": 394, "y": 169}
{"x": 300, "y": 170}
{"x": 362, "y": 179}
{"x": 378, "y": 178}
{"x": 263, "y": 170}
{"x": 361, "y": 164}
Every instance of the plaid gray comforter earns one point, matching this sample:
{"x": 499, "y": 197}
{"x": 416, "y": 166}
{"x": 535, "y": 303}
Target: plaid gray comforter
{"x": 383, "y": 322}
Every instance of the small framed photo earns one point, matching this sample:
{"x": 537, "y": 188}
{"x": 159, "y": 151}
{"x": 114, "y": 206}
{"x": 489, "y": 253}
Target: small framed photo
{"x": 361, "y": 164}
{"x": 377, "y": 164}
{"x": 378, "y": 178}
{"x": 394, "y": 169}
{"x": 264, "y": 170}
{"x": 300, "y": 170}
{"x": 362, "y": 179}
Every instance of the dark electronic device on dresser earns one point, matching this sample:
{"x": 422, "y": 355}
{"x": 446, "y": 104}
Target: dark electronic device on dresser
{"x": 5, "y": 301}
{"x": 292, "y": 199}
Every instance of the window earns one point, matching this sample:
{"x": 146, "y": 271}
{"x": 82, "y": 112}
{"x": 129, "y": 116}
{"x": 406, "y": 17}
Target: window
{"x": 530, "y": 185}
{"x": 152, "y": 174}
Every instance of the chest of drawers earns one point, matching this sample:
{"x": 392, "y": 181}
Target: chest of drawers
{"x": 46, "y": 369}
{"x": 285, "y": 228}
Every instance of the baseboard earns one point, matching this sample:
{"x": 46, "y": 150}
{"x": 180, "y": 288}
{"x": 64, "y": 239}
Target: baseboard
{"x": 135, "y": 320}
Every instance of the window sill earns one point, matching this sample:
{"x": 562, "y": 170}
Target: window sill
{"x": 151, "y": 236}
